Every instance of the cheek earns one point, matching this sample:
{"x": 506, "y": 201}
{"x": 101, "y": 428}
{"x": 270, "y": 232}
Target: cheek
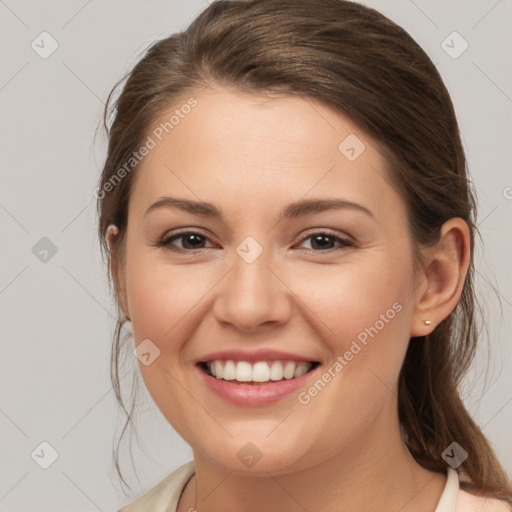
{"x": 364, "y": 310}
{"x": 162, "y": 300}
{"x": 161, "y": 294}
{"x": 368, "y": 289}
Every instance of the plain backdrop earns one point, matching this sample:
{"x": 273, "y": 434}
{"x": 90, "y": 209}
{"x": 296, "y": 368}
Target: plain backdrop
{"x": 56, "y": 311}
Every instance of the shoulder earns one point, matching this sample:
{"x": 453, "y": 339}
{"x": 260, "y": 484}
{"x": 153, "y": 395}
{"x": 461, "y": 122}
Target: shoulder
{"x": 164, "y": 496}
{"x": 467, "y": 502}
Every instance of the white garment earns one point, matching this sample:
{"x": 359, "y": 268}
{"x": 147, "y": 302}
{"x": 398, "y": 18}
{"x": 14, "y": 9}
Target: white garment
{"x": 165, "y": 495}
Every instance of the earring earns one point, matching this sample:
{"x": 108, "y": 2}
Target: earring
{"x": 112, "y": 228}
{"x": 427, "y": 322}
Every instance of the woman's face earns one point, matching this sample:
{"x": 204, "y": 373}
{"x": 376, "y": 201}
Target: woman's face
{"x": 269, "y": 284}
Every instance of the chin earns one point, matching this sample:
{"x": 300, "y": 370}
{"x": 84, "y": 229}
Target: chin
{"x": 258, "y": 457}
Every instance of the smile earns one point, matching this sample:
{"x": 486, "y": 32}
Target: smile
{"x": 255, "y": 383}
{"x": 257, "y": 371}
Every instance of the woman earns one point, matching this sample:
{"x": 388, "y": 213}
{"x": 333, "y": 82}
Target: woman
{"x": 290, "y": 228}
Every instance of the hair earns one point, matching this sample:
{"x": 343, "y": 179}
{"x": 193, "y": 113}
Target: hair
{"x": 363, "y": 66}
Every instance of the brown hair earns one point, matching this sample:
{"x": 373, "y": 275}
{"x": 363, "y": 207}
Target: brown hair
{"x": 362, "y": 65}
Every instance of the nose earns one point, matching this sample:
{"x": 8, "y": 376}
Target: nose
{"x": 253, "y": 295}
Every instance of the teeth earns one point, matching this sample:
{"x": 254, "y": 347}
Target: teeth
{"x": 301, "y": 369}
{"x": 217, "y": 368}
{"x": 243, "y": 372}
{"x": 289, "y": 370}
{"x": 229, "y": 372}
{"x": 261, "y": 371}
{"x": 276, "y": 371}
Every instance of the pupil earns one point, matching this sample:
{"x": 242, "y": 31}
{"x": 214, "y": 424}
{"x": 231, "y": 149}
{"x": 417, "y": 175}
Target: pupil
{"x": 187, "y": 238}
{"x": 317, "y": 242}
{"x": 322, "y": 239}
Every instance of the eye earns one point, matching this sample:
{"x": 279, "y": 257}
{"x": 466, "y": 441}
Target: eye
{"x": 321, "y": 241}
{"x": 191, "y": 241}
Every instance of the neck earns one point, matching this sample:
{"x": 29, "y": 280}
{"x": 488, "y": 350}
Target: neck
{"x": 376, "y": 472}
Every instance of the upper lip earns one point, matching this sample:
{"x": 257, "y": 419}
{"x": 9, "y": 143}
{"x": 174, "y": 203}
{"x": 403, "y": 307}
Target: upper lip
{"x": 262, "y": 354}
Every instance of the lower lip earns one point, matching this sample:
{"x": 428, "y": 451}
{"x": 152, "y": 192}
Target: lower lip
{"x": 252, "y": 395}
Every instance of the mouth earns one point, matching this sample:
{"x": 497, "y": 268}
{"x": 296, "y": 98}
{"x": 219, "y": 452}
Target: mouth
{"x": 256, "y": 372}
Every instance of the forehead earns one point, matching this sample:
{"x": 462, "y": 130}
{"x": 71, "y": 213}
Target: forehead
{"x": 235, "y": 149}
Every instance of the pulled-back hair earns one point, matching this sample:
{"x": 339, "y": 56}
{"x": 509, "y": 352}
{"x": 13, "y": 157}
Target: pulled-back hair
{"x": 362, "y": 65}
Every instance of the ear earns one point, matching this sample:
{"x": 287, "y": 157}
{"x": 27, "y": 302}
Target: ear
{"x": 440, "y": 283}
{"x": 116, "y": 269}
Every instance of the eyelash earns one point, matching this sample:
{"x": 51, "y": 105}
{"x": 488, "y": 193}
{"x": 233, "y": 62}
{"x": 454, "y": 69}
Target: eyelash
{"x": 166, "y": 242}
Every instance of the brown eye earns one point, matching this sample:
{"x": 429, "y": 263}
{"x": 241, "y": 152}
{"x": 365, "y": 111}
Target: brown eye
{"x": 323, "y": 241}
{"x": 190, "y": 241}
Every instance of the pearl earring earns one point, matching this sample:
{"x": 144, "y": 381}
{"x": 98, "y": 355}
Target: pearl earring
{"x": 427, "y": 322}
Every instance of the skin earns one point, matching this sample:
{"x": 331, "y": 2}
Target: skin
{"x": 251, "y": 157}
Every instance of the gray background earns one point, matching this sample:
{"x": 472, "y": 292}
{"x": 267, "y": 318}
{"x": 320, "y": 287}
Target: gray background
{"x": 56, "y": 316}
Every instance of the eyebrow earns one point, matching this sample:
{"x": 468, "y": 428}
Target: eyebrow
{"x": 294, "y": 210}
